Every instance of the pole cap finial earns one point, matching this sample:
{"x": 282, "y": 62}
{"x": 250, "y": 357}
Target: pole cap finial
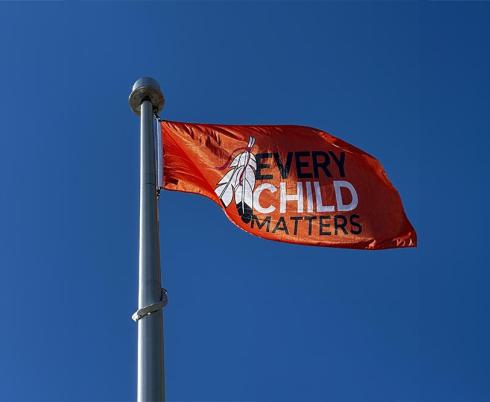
{"x": 146, "y": 88}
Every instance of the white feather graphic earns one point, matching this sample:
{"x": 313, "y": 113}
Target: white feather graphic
{"x": 240, "y": 182}
{"x": 225, "y": 188}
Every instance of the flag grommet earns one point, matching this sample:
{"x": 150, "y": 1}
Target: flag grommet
{"x": 152, "y": 308}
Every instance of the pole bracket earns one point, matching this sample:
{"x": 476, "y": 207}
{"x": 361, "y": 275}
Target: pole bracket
{"x": 152, "y": 308}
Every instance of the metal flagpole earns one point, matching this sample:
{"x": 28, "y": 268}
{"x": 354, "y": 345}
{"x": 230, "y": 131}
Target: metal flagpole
{"x": 146, "y": 99}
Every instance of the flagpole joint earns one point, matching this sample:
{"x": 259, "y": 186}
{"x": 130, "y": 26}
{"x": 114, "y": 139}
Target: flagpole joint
{"x": 152, "y": 308}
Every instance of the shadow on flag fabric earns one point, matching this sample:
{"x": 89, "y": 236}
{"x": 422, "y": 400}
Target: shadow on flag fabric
{"x": 288, "y": 183}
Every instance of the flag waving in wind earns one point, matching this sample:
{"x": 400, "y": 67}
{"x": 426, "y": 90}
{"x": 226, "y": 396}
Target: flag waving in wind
{"x": 288, "y": 183}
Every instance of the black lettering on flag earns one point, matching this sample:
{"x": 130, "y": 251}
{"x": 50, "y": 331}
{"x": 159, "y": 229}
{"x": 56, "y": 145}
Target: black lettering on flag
{"x": 302, "y": 164}
{"x": 260, "y": 166}
{"x": 324, "y": 225}
{"x": 281, "y": 225}
{"x": 266, "y": 221}
{"x": 339, "y": 162}
{"x": 283, "y": 169}
{"x": 337, "y": 225}
{"x": 355, "y": 224}
{"x": 296, "y": 219}
{"x": 316, "y": 156}
{"x": 309, "y": 219}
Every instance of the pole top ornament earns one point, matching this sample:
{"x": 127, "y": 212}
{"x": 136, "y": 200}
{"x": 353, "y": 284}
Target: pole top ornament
{"x": 146, "y": 88}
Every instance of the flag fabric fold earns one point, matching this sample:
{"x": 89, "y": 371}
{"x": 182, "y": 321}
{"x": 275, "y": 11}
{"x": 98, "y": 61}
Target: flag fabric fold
{"x": 288, "y": 183}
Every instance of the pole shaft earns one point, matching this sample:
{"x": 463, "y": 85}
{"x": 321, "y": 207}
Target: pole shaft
{"x": 150, "y": 328}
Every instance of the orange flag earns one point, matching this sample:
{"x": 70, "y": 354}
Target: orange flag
{"x": 288, "y": 183}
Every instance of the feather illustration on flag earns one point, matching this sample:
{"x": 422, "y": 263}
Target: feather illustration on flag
{"x": 239, "y": 181}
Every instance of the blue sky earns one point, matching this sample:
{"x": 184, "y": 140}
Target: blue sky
{"x": 405, "y": 81}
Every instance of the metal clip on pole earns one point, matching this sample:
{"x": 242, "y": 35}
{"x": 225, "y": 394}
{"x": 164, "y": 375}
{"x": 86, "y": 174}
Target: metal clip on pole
{"x": 152, "y": 308}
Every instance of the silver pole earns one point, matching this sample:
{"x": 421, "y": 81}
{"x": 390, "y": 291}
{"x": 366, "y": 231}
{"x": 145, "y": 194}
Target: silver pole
{"x": 145, "y": 99}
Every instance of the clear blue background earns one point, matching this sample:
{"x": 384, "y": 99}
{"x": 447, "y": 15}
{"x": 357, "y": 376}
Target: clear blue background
{"x": 406, "y": 81}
